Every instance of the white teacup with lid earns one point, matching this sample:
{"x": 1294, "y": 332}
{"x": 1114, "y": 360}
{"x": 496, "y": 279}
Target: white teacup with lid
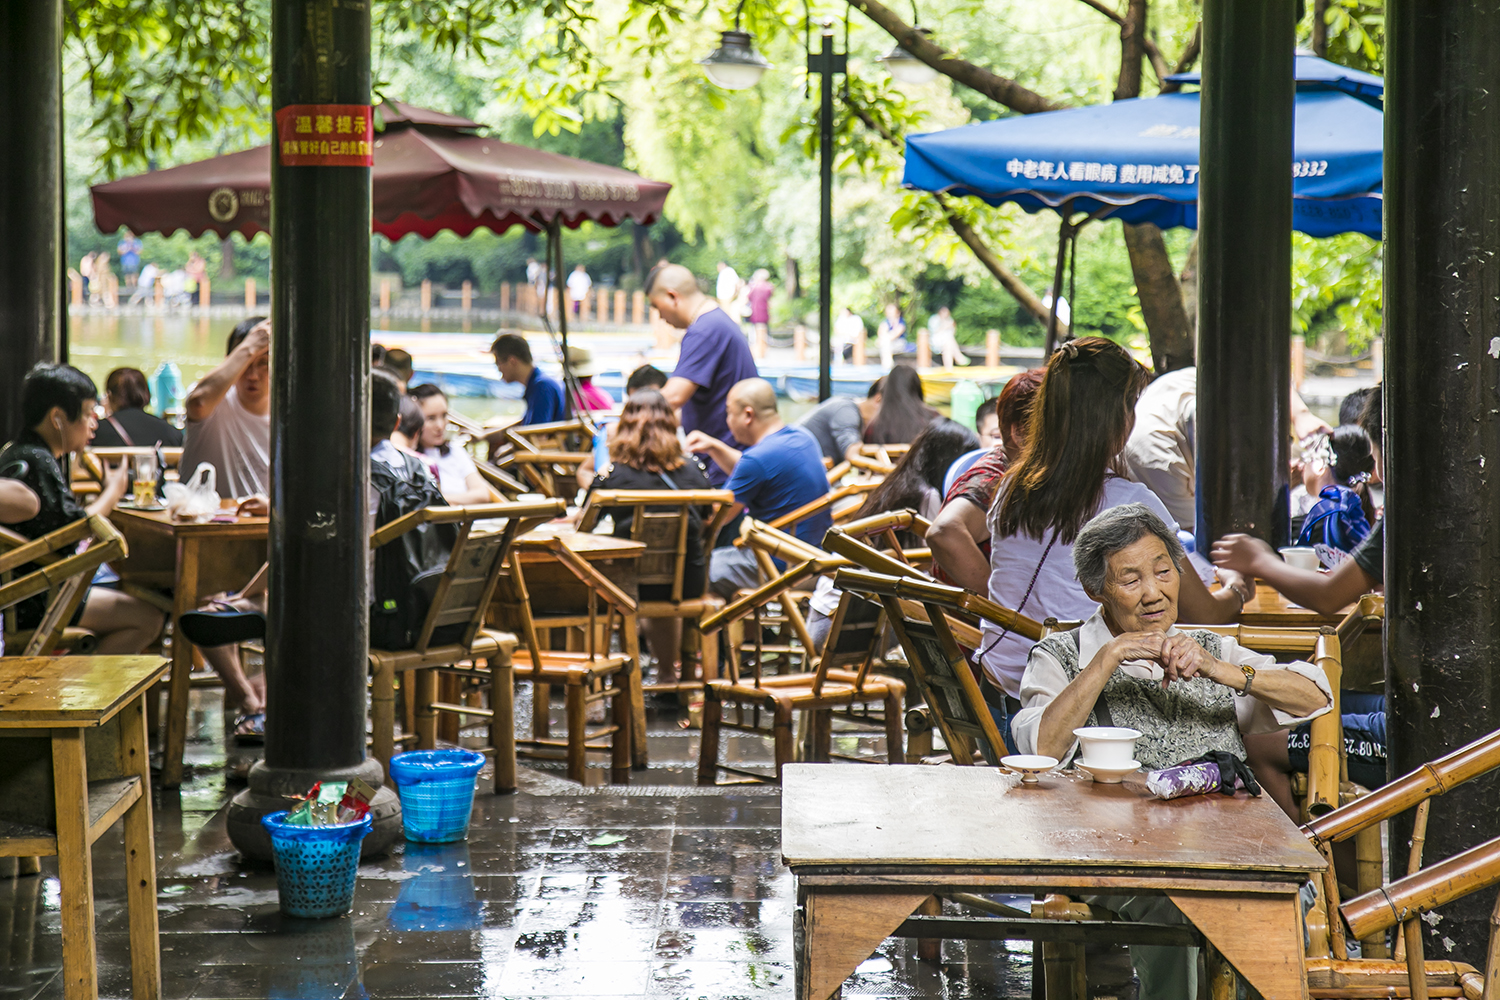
{"x": 1107, "y": 746}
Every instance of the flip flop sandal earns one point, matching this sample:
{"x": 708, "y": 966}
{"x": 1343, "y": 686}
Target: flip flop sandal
{"x": 250, "y": 729}
{"x": 222, "y": 628}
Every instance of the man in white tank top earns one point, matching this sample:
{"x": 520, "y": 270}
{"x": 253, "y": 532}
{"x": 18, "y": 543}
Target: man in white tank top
{"x": 229, "y": 415}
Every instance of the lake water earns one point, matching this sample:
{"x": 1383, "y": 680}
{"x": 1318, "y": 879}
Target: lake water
{"x": 100, "y": 344}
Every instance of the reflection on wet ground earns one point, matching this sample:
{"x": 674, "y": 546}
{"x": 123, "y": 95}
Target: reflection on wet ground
{"x": 660, "y": 889}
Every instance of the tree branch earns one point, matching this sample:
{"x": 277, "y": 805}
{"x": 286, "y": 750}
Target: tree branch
{"x": 1186, "y": 60}
{"x": 1158, "y": 61}
{"x": 1008, "y": 279}
{"x": 992, "y": 85}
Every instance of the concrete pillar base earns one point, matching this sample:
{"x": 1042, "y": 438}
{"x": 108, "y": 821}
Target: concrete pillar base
{"x": 267, "y": 794}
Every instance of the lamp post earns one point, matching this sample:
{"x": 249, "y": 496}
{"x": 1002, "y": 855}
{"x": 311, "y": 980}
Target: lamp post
{"x": 735, "y": 65}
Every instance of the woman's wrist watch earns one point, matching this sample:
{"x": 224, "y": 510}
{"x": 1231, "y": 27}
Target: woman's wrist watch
{"x": 1249, "y": 673}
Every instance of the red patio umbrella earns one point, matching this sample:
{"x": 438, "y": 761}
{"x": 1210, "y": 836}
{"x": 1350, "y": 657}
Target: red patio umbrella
{"x": 432, "y": 172}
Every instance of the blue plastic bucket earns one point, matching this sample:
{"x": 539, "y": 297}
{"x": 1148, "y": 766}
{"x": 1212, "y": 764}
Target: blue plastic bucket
{"x": 437, "y": 793}
{"x": 315, "y": 865}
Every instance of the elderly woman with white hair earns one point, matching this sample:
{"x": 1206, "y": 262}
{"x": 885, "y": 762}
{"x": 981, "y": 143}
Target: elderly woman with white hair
{"x": 1188, "y": 692}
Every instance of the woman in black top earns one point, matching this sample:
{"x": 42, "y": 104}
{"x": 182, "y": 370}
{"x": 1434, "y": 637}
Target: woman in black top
{"x": 57, "y": 409}
{"x": 903, "y": 413}
{"x": 646, "y": 454}
{"x": 126, "y": 423}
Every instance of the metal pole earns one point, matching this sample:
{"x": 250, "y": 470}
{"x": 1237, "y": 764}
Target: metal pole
{"x": 1442, "y": 317}
{"x": 1057, "y": 276}
{"x": 825, "y": 218}
{"x": 1245, "y": 269}
{"x": 317, "y": 646}
{"x": 30, "y": 197}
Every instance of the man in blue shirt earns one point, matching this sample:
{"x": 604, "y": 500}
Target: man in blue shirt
{"x": 545, "y": 402}
{"x": 780, "y": 470}
{"x": 714, "y": 356}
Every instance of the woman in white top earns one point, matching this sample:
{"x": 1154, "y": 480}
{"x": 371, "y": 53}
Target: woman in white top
{"x": 458, "y": 478}
{"x": 1082, "y": 416}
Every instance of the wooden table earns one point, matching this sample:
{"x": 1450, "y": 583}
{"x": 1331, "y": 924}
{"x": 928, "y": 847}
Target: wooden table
{"x": 1269, "y": 609}
{"x": 194, "y": 561}
{"x": 73, "y": 760}
{"x": 557, "y": 594}
{"x": 869, "y": 845}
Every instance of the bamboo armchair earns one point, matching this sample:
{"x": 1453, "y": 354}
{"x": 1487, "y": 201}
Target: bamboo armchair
{"x": 833, "y": 501}
{"x": 475, "y": 563}
{"x": 543, "y": 455}
{"x": 1404, "y": 900}
{"x": 64, "y": 578}
{"x": 662, "y": 519}
{"x": 589, "y": 676}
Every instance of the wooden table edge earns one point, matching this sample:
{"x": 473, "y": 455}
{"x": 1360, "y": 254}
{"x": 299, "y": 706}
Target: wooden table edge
{"x": 21, "y": 719}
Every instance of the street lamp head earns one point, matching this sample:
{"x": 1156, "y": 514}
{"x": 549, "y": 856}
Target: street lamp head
{"x": 907, "y": 68}
{"x": 734, "y": 65}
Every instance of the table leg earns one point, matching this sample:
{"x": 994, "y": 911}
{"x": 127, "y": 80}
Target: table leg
{"x": 631, "y": 633}
{"x": 184, "y": 599}
{"x": 503, "y": 722}
{"x": 841, "y": 930}
{"x": 1260, "y": 936}
{"x": 75, "y": 864}
{"x": 140, "y": 859}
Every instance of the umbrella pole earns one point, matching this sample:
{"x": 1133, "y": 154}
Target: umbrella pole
{"x": 1057, "y": 275}
{"x": 554, "y": 236}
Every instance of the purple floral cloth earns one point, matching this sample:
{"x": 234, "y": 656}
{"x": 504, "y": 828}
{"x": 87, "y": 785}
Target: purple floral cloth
{"x": 1184, "y": 779}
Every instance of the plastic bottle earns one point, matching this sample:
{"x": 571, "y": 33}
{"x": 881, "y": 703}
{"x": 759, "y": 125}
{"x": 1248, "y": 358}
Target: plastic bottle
{"x": 166, "y": 389}
{"x": 964, "y": 402}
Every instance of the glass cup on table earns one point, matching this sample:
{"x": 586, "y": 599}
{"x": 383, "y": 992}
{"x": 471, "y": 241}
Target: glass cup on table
{"x": 143, "y": 490}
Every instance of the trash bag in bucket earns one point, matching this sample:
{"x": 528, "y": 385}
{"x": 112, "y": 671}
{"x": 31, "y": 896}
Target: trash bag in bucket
{"x": 315, "y": 865}
{"x": 437, "y": 793}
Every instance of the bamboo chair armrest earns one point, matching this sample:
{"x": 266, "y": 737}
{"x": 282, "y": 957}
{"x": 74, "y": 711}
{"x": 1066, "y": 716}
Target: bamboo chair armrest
{"x": 595, "y": 580}
{"x": 41, "y": 580}
{"x": 39, "y": 549}
{"x": 872, "y": 465}
{"x": 542, "y": 510}
{"x": 838, "y": 472}
{"x": 551, "y": 457}
{"x": 839, "y": 542}
{"x": 498, "y": 478}
{"x": 742, "y": 606}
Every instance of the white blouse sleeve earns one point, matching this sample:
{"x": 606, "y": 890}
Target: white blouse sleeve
{"x": 1255, "y": 716}
{"x": 1042, "y": 682}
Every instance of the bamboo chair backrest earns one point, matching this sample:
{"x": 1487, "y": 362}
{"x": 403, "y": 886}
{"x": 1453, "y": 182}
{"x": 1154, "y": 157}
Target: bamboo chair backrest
{"x": 828, "y": 501}
{"x": 66, "y": 577}
{"x": 936, "y": 660}
{"x": 574, "y": 434}
{"x": 662, "y": 520}
{"x": 475, "y": 561}
{"x": 854, "y": 635}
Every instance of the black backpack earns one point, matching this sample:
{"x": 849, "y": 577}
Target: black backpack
{"x": 407, "y": 570}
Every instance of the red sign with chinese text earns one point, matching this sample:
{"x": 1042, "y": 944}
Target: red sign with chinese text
{"x": 325, "y": 135}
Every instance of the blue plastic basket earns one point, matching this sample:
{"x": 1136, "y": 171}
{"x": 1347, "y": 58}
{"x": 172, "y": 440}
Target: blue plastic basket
{"x": 315, "y": 865}
{"x": 437, "y": 793}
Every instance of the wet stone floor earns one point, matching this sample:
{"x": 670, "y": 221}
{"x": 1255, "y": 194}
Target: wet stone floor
{"x": 659, "y": 889}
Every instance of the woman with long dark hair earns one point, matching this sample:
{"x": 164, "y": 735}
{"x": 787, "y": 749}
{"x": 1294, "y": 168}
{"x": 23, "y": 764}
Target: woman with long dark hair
{"x": 903, "y": 413}
{"x": 645, "y": 453}
{"x": 1080, "y": 420}
{"x": 915, "y": 483}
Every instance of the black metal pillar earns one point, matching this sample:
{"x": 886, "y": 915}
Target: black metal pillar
{"x": 30, "y": 197}
{"x": 1245, "y": 268}
{"x": 826, "y": 63}
{"x": 1442, "y": 318}
{"x": 316, "y": 650}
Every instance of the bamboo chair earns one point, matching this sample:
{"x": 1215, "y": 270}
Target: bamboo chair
{"x": 832, "y": 500}
{"x": 65, "y": 579}
{"x": 661, "y": 519}
{"x": 783, "y": 697}
{"x": 462, "y": 597}
{"x": 1404, "y": 900}
{"x": 589, "y": 676}
{"x": 543, "y": 454}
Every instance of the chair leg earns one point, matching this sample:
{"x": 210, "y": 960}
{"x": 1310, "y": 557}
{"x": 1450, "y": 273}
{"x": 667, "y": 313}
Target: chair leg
{"x": 621, "y": 744}
{"x": 635, "y": 697}
{"x": 708, "y": 654}
{"x": 895, "y": 725}
{"x": 930, "y": 949}
{"x": 577, "y": 713}
{"x": 822, "y": 735}
{"x": 541, "y": 709}
{"x": 383, "y": 716}
{"x": 408, "y": 704}
{"x": 426, "y": 687}
{"x": 503, "y": 722}
{"x": 785, "y": 744}
{"x": 708, "y": 744}
{"x": 450, "y": 689}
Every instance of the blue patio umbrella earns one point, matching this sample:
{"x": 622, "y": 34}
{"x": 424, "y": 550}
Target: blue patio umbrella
{"x": 1137, "y": 160}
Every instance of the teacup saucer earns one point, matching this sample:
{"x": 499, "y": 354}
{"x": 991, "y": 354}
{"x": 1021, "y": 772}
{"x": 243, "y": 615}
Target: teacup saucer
{"x": 1029, "y": 765}
{"x": 1109, "y": 775}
